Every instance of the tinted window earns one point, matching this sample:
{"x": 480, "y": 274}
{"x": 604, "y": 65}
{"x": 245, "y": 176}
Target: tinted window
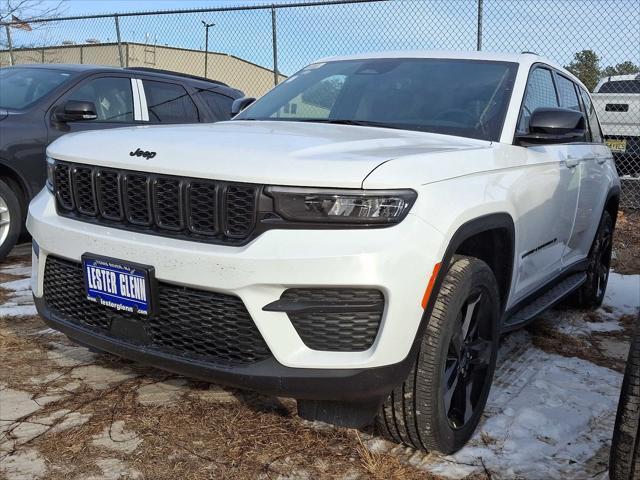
{"x": 20, "y": 87}
{"x": 169, "y": 103}
{"x": 220, "y": 105}
{"x": 111, "y": 95}
{"x": 621, "y": 86}
{"x": 567, "y": 93}
{"x": 315, "y": 102}
{"x": 594, "y": 125}
{"x": 455, "y": 97}
{"x": 540, "y": 93}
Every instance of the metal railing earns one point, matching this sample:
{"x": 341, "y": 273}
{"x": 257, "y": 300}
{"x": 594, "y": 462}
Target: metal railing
{"x": 254, "y": 47}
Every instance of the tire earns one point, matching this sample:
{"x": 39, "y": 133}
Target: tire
{"x": 10, "y": 219}
{"x": 624, "y": 461}
{"x": 416, "y": 413}
{"x": 591, "y": 294}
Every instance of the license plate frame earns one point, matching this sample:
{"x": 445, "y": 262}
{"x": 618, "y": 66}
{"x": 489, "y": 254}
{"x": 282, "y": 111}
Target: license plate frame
{"x": 104, "y": 284}
{"x": 616, "y": 146}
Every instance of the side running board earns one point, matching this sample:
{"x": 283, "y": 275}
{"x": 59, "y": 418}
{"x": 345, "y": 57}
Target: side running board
{"x": 546, "y": 300}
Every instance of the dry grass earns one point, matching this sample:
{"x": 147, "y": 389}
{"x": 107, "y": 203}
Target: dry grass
{"x": 626, "y": 243}
{"x": 545, "y": 336}
{"x": 193, "y": 438}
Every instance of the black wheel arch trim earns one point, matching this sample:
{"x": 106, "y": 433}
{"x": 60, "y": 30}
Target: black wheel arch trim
{"x": 14, "y": 174}
{"x": 614, "y": 193}
{"x": 493, "y": 221}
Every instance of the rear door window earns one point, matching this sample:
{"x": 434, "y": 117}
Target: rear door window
{"x": 169, "y": 103}
{"x": 567, "y": 93}
{"x": 540, "y": 93}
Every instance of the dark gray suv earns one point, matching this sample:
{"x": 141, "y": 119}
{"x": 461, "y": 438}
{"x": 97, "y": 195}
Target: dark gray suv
{"x": 39, "y": 103}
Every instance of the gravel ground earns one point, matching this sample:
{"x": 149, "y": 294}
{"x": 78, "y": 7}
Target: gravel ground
{"x": 66, "y": 412}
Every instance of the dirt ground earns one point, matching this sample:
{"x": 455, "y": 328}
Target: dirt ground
{"x": 626, "y": 242}
{"x": 68, "y": 413}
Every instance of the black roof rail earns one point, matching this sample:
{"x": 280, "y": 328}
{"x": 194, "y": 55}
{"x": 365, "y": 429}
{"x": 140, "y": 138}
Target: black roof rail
{"x": 527, "y": 51}
{"x": 176, "y": 74}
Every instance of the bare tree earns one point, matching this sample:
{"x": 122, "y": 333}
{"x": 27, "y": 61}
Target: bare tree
{"x": 23, "y": 15}
{"x": 30, "y": 10}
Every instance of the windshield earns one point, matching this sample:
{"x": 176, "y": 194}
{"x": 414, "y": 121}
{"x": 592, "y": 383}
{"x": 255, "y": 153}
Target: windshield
{"x": 20, "y": 87}
{"x": 468, "y": 98}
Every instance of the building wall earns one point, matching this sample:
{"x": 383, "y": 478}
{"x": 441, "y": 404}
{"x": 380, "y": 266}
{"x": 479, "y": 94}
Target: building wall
{"x": 253, "y": 79}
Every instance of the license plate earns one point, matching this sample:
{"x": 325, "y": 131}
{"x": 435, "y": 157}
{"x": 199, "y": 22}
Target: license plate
{"x": 123, "y": 286}
{"x": 618, "y": 146}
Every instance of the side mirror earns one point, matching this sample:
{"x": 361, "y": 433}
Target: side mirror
{"x": 76, "y": 111}
{"x": 554, "y": 125}
{"x": 240, "y": 104}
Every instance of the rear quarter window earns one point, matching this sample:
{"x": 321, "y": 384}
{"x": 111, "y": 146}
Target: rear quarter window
{"x": 219, "y": 105}
{"x": 621, "y": 86}
{"x": 169, "y": 103}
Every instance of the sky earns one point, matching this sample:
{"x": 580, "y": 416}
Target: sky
{"x": 554, "y": 28}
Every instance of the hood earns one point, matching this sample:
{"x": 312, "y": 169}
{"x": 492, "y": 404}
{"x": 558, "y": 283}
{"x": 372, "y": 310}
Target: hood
{"x": 270, "y": 152}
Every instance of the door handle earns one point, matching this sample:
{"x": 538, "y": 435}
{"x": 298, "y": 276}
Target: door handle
{"x": 571, "y": 162}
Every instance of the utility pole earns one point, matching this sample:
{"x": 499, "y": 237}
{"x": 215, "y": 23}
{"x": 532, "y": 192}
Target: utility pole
{"x": 10, "y": 45}
{"x": 119, "y": 39}
{"x": 206, "y": 46}
{"x": 274, "y": 44}
{"x": 479, "y": 31}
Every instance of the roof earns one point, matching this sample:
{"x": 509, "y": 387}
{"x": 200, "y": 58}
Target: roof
{"x": 85, "y": 68}
{"x": 621, "y": 78}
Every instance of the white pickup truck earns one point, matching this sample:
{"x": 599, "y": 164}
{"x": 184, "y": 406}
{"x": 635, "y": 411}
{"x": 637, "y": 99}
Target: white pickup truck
{"x": 617, "y": 101}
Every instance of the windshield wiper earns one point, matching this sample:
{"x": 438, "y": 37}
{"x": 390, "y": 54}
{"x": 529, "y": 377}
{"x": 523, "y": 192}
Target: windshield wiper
{"x": 332, "y": 121}
{"x": 358, "y": 123}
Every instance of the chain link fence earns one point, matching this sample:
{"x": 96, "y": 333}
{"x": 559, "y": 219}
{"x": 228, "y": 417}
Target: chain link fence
{"x": 255, "y": 47}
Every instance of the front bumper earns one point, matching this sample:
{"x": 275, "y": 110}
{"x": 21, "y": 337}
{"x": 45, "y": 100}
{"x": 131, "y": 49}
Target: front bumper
{"x": 268, "y": 376}
{"x": 398, "y": 261}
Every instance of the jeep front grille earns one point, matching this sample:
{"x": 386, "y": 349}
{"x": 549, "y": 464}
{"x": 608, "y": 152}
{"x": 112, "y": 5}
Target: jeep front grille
{"x": 196, "y": 209}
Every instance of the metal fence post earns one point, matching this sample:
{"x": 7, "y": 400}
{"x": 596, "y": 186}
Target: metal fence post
{"x": 274, "y": 41}
{"x": 9, "y": 44}
{"x": 119, "y": 40}
{"x": 479, "y": 33}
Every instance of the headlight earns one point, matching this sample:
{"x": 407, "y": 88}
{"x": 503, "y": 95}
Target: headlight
{"x": 51, "y": 168}
{"x": 321, "y": 205}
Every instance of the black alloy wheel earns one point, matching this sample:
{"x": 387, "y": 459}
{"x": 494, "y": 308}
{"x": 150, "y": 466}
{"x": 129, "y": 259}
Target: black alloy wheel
{"x": 468, "y": 360}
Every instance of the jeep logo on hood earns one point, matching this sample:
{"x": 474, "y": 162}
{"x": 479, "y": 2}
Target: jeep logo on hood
{"x": 143, "y": 153}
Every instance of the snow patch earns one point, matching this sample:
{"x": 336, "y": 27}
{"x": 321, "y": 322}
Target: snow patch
{"x": 24, "y": 284}
{"x": 623, "y": 293}
{"x": 114, "y": 437}
{"x": 547, "y": 415}
{"x": 11, "y": 310}
{"x": 18, "y": 270}
{"x": 25, "y": 465}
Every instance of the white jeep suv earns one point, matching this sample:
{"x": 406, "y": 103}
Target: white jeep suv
{"x": 357, "y": 239}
